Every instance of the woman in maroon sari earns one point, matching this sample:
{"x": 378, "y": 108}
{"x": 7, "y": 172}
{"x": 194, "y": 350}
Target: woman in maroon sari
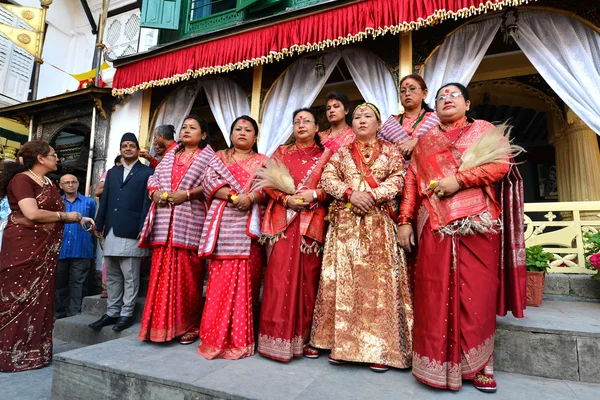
{"x": 230, "y": 240}
{"x": 30, "y": 246}
{"x": 457, "y": 277}
{"x": 339, "y": 133}
{"x": 172, "y": 228}
{"x": 295, "y": 225}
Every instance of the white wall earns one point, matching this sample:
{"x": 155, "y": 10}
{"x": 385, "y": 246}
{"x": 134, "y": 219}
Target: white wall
{"x": 125, "y": 118}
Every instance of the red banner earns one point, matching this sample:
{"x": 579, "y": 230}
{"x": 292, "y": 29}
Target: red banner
{"x": 332, "y": 28}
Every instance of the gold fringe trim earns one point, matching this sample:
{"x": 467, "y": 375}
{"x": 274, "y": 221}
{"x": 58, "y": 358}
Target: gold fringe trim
{"x": 471, "y": 226}
{"x": 271, "y": 239}
{"x": 315, "y": 247}
{"x": 434, "y": 19}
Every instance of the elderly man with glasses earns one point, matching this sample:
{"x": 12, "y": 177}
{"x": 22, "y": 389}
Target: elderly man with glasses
{"x": 76, "y": 252}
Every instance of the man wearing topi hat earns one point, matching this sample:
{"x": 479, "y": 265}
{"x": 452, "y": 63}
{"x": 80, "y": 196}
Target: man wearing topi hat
{"x": 123, "y": 208}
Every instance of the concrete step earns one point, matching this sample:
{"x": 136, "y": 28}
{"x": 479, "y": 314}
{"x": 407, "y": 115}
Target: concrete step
{"x": 129, "y": 369}
{"x": 577, "y": 285}
{"x": 75, "y": 330}
{"x": 560, "y": 339}
{"x": 95, "y": 306}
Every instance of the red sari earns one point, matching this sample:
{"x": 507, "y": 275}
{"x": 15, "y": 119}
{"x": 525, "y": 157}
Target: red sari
{"x": 174, "y": 300}
{"x": 235, "y": 267}
{"x": 344, "y": 138}
{"x": 292, "y": 275}
{"x": 458, "y": 258}
{"x": 27, "y": 278}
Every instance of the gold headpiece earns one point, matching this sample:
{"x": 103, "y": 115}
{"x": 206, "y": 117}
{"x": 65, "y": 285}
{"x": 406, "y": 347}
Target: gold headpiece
{"x": 367, "y": 105}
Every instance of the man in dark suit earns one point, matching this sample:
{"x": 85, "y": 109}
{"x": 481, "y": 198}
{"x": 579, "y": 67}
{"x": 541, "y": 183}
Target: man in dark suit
{"x": 123, "y": 208}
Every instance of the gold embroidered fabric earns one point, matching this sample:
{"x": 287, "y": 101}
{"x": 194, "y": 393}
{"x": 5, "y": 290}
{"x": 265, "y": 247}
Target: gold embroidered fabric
{"x": 363, "y": 311}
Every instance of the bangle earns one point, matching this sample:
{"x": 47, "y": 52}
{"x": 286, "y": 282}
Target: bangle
{"x": 285, "y": 200}
{"x": 348, "y": 194}
{"x": 252, "y": 197}
{"x": 59, "y": 216}
{"x": 404, "y": 223}
{"x": 314, "y": 193}
{"x": 187, "y": 192}
{"x": 152, "y": 194}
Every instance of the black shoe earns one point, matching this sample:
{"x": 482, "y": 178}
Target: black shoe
{"x": 102, "y": 322}
{"x": 123, "y": 323}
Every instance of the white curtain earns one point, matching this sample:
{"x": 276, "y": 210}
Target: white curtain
{"x": 297, "y": 88}
{"x": 566, "y": 53}
{"x": 459, "y": 56}
{"x": 374, "y": 81}
{"x": 227, "y": 101}
{"x": 177, "y": 106}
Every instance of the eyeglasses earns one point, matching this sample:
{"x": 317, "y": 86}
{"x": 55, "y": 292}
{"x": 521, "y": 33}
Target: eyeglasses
{"x": 299, "y": 122}
{"x": 53, "y": 155}
{"x": 410, "y": 89}
{"x": 452, "y": 95}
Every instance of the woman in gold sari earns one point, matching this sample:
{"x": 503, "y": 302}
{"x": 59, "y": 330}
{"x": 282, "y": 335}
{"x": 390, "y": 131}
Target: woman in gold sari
{"x": 363, "y": 311}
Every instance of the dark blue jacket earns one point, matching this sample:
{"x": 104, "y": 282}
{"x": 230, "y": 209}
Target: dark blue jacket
{"x": 124, "y": 204}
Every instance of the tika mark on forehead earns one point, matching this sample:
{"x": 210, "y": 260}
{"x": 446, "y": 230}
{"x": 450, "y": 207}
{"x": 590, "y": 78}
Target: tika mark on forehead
{"x": 447, "y": 91}
{"x": 406, "y": 83}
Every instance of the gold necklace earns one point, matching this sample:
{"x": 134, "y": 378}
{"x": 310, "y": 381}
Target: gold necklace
{"x": 46, "y": 182}
{"x": 249, "y": 154}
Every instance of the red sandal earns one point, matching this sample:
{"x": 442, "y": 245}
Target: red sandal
{"x": 485, "y": 383}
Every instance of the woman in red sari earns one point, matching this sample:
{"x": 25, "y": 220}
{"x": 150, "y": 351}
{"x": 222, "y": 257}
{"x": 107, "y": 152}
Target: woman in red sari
{"x": 295, "y": 225}
{"x": 418, "y": 118}
{"x": 30, "y": 245}
{"x": 230, "y": 240}
{"x": 457, "y": 271}
{"x": 172, "y": 228}
{"x": 339, "y": 133}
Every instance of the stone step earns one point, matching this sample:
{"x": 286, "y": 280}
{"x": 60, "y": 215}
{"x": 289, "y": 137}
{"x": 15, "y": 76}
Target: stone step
{"x": 96, "y": 306}
{"x": 577, "y": 285}
{"x": 560, "y": 339}
{"x": 75, "y": 330}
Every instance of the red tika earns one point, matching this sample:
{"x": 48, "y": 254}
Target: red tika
{"x": 459, "y": 259}
{"x": 174, "y": 299}
{"x": 227, "y": 327}
{"x": 27, "y": 278}
{"x": 292, "y": 274}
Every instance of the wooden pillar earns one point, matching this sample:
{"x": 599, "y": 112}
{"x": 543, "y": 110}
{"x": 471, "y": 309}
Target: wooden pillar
{"x": 256, "y": 90}
{"x": 406, "y": 54}
{"x": 577, "y": 161}
{"x": 145, "y": 138}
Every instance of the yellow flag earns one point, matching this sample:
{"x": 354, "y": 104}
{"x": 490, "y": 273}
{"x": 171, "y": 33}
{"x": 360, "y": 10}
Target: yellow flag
{"x": 30, "y": 15}
{"x": 90, "y": 74}
{"x": 24, "y": 38}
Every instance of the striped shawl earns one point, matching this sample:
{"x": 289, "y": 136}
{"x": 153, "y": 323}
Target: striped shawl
{"x": 393, "y": 132}
{"x": 188, "y": 217}
{"x": 227, "y": 232}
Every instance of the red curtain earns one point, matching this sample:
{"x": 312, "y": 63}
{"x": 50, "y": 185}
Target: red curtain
{"x": 313, "y": 32}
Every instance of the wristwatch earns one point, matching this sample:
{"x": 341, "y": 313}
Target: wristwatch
{"x": 314, "y": 195}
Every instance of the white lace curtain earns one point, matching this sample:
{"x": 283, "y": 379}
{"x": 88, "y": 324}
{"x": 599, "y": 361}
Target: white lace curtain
{"x": 227, "y": 101}
{"x": 374, "y": 81}
{"x": 459, "y": 56}
{"x": 297, "y": 88}
{"x": 566, "y": 53}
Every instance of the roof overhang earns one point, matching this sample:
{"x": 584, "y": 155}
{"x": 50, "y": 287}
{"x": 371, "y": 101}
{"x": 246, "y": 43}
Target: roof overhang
{"x": 271, "y": 42}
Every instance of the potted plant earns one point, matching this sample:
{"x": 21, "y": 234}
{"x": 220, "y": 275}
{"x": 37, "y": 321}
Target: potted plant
{"x": 538, "y": 262}
{"x": 591, "y": 243}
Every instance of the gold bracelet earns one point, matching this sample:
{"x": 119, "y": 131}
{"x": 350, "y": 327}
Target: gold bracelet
{"x": 285, "y": 200}
{"x": 188, "y": 195}
{"x": 59, "y": 217}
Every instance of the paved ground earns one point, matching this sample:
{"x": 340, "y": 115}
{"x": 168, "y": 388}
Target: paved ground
{"x": 31, "y": 385}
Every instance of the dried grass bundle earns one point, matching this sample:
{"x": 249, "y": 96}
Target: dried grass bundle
{"x": 275, "y": 175}
{"x": 494, "y": 146}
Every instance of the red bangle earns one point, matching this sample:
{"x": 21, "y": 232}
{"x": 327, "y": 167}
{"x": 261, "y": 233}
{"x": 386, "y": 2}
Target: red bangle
{"x": 347, "y": 194}
{"x": 404, "y": 221}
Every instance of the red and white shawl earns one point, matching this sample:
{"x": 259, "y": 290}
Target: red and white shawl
{"x": 227, "y": 232}
{"x": 187, "y": 217}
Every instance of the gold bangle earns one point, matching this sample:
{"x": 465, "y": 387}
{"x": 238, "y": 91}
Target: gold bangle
{"x": 188, "y": 195}
{"x": 59, "y": 216}
{"x": 285, "y": 200}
